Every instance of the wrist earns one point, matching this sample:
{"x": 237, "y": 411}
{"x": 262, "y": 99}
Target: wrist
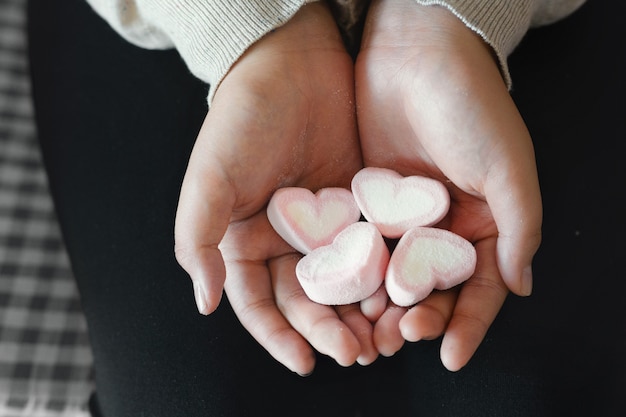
{"x": 311, "y": 28}
{"x": 424, "y": 36}
{"x": 406, "y": 23}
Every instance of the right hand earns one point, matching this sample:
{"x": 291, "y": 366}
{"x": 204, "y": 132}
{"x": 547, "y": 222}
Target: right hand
{"x": 283, "y": 116}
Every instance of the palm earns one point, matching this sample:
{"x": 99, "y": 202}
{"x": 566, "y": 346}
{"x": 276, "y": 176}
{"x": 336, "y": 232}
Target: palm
{"x": 429, "y": 146}
{"x": 287, "y": 130}
{"x": 284, "y": 116}
{"x": 302, "y": 140}
{"x": 432, "y": 102}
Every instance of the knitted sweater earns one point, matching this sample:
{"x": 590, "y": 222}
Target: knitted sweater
{"x": 211, "y": 35}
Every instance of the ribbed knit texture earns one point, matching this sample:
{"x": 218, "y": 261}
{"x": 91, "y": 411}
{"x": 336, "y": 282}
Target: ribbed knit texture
{"x": 503, "y": 24}
{"x": 211, "y": 35}
{"x": 547, "y": 12}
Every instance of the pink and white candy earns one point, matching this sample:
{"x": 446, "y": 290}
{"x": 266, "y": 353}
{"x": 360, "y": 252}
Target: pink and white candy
{"x": 426, "y": 259}
{"x": 395, "y": 203}
{"x": 307, "y": 221}
{"x": 346, "y": 260}
{"x": 347, "y": 271}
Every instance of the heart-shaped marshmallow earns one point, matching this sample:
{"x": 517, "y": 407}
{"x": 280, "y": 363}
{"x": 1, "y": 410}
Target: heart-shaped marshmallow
{"x": 347, "y": 271}
{"x": 307, "y": 221}
{"x": 395, "y": 203}
{"x": 426, "y": 259}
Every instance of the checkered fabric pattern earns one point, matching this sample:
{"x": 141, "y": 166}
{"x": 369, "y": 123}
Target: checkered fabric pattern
{"x": 45, "y": 358}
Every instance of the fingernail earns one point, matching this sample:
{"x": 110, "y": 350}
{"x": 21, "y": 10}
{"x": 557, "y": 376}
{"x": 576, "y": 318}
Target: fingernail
{"x": 527, "y": 281}
{"x": 200, "y": 297}
{"x": 365, "y": 360}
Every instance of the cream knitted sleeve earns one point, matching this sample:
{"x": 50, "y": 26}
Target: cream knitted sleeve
{"x": 503, "y": 23}
{"x": 210, "y": 35}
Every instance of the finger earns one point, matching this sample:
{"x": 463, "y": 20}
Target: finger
{"x": 387, "y": 337}
{"x": 374, "y": 305}
{"x": 361, "y": 327}
{"x": 250, "y": 293}
{"x": 479, "y": 301}
{"x": 429, "y": 318}
{"x": 515, "y": 201}
{"x": 318, "y": 324}
{"x": 204, "y": 211}
{"x": 246, "y": 246}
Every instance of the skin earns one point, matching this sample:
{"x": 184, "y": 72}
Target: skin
{"x": 291, "y": 124}
{"x": 431, "y": 101}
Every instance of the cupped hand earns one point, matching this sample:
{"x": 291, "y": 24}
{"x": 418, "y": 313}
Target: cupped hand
{"x": 431, "y": 101}
{"x": 283, "y": 116}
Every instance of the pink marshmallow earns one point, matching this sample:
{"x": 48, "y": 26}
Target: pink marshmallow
{"x": 426, "y": 259}
{"x": 395, "y": 203}
{"x": 347, "y": 271}
{"x": 307, "y": 221}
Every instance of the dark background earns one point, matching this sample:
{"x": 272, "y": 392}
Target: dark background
{"x": 116, "y": 124}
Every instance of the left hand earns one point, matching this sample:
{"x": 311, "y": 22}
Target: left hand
{"x": 431, "y": 101}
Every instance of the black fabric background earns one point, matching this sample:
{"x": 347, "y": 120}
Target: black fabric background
{"x": 116, "y": 125}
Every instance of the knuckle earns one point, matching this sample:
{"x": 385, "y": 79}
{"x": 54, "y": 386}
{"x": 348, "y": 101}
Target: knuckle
{"x": 290, "y": 300}
{"x": 184, "y": 254}
{"x": 483, "y": 283}
{"x": 469, "y": 321}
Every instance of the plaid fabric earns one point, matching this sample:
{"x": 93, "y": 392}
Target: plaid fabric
{"x": 45, "y": 358}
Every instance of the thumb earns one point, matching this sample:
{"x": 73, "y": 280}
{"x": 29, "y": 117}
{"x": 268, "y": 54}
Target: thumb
{"x": 204, "y": 210}
{"x": 517, "y": 211}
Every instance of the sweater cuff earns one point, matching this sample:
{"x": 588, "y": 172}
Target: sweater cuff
{"x": 210, "y": 35}
{"x": 502, "y": 24}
